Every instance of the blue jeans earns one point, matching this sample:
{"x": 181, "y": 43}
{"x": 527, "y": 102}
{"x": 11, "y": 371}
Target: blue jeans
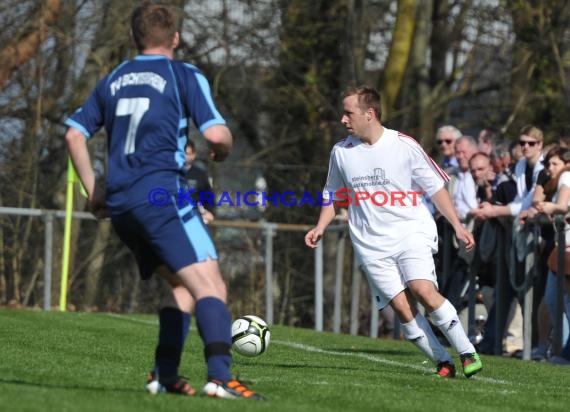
{"x": 550, "y": 302}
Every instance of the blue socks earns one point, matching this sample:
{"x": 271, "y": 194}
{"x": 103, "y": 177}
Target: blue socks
{"x": 174, "y": 326}
{"x": 214, "y": 325}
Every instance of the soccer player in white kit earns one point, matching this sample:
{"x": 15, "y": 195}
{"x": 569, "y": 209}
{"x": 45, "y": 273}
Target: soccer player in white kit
{"x": 381, "y": 175}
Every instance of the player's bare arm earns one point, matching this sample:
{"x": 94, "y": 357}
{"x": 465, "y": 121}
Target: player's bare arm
{"x": 77, "y": 146}
{"x": 220, "y": 141}
{"x": 326, "y": 216}
{"x": 442, "y": 201}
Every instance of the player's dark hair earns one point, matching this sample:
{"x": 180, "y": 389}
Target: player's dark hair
{"x": 368, "y": 97}
{"x": 153, "y": 25}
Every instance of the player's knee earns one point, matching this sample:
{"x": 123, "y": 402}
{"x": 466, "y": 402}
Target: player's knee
{"x": 423, "y": 290}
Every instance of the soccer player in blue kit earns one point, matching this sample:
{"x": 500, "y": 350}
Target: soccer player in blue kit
{"x": 144, "y": 105}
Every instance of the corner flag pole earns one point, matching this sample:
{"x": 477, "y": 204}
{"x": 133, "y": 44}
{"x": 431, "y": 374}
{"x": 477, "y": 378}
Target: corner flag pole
{"x": 71, "y": 179}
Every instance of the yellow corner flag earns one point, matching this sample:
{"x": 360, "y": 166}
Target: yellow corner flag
{"x": 72, "y": 178}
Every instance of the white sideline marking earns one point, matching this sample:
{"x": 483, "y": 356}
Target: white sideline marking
{"x": 308, "y": 348}
{"x": 135, "y": 320}
{"x": 374, "y": 358}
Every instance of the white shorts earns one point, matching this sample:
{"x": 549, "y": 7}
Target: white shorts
{"x": 388, "y": 277}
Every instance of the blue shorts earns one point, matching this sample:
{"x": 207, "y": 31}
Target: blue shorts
{"x": 169, "y": 235}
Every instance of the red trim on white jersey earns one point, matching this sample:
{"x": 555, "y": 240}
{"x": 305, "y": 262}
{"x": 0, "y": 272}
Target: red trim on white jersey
{"x": 435, "y": 167}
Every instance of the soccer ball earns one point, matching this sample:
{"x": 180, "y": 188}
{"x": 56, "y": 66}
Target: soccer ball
{"x": 250, "y": 335}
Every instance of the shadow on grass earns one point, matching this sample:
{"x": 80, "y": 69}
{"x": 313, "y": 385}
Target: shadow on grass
{"x": 63, "y": 386}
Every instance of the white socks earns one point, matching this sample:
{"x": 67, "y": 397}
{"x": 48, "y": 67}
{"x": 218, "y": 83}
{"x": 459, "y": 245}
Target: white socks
{"x": 419, "y": 332}
{"x": 445, "y": 318}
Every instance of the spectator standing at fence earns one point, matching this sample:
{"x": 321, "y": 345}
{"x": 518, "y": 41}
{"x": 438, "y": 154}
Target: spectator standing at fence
{"x": 483, "y": 175}
{"x": 489, "y": 190}
{"x": 493, "y": 181}
{"x": 487, "y": 139}
{"x": 504, "y": 184}
{"x": 558, "y": 165}
{"x": 199, "y": 182}
{"x": 564, "y": 140}
{"x": 462, "y": 189}
{"x": 526, "y": 174}
{"x": 516, "y": 153}
{"x": 445, "y": 138}
{"x": 394, "y": 243}
{"x": 541, "y": 317}
{"x": 144, "y": 105}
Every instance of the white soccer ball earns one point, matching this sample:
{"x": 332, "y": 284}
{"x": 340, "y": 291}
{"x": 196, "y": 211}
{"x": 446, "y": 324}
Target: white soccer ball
{"x": 250, "y": 335}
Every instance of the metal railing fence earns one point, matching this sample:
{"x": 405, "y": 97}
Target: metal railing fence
{"x": 328, "y": 274}
{"x": 330, "y": 286}
{"x": 506, "y": 275}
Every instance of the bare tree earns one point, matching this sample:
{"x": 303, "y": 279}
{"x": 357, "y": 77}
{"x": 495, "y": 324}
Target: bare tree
{"x": 29, "y": 39}
{"x": 397, "y": 61}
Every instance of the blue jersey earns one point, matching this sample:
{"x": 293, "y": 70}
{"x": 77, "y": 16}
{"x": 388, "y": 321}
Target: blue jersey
{"x": 144, "y": 105}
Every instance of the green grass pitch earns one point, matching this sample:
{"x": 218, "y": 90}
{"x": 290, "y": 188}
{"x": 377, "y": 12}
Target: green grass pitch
{"x": 98, "y": 362}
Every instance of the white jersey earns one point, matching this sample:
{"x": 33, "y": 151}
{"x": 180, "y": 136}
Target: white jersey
{"x": 389, "y": 179}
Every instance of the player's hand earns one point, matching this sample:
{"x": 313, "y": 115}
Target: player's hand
{"x": 466, "y": 237}
{"x": 218, "y": 152}
{"x": 98, "y": 205}
{"x": 207, "y": 216}
{"x": 313, "y": 236}
{"x": 216, "y": 157}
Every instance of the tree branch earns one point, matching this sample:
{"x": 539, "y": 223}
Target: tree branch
{"x": 14, "y": 55}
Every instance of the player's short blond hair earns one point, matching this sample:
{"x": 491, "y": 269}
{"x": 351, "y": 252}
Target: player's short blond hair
{"x": 368, "y": 97}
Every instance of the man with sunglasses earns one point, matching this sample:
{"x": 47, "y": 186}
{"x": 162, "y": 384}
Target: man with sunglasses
{"x": 445, "y": 138}
{"x": 526, "y": 172}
